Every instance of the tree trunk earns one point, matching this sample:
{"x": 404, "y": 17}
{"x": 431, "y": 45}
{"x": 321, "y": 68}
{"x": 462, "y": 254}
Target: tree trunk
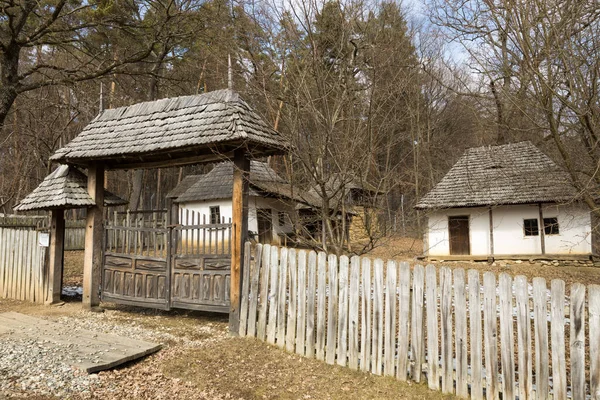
{"x": 9, "y": 62}
{"x": 134, "y": 200}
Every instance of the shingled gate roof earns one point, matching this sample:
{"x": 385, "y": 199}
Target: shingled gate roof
{"x": 190, "y": 126}
{"x": 218, "y": 184}
{"x": 517, "y": 173}
{"x": 64, "y": 188}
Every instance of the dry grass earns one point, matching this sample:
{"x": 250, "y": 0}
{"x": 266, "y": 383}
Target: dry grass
{"x": 73, "y": 268}
{"x": 218, "y": 366}
{"x": 250, "y": 369}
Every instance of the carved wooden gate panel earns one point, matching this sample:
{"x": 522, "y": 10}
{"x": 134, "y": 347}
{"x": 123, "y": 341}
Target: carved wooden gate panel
{"x": 158, "y": 266}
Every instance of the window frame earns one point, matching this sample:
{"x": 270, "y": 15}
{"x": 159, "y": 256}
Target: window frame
{"x": 212, "y": 213}
{"x": 527, "y": 229}
{"x": 281, "y": 218}
{"x": 551, "y": 225}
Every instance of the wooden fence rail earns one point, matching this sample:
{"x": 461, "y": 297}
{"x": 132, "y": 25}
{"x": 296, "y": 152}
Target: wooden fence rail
{"x": 23, "y": 269}
{"x": 490, "y": 338}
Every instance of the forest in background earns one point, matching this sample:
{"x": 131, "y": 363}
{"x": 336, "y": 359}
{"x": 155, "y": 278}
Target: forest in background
{"x": 379, "y": 93}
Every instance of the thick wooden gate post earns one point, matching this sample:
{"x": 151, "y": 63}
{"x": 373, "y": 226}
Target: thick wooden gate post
{"x": 94, "y": 230}
{"x": 57, "y": 241}
{"x": 241, "y": 171}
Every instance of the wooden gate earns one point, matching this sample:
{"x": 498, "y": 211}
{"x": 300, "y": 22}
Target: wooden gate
{"x": 150, "y": 264}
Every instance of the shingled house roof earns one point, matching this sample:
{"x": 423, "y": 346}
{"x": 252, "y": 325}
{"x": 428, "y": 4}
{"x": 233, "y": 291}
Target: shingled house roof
{"x": 210, "y": 123}
{"x": 517, "y": 173}
{"x": 218, "y": 184}
{"x": 183, "y": 186}
{"x": 64, "y": 188}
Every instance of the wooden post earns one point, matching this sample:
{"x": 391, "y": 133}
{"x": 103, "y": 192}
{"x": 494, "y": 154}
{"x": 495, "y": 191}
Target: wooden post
{"x": 542, "y": 230}
{"x": 92, "y": 263}
{"x": 57, "y": 241}
{"x": 239, "y": 213}
{"x": 491, "y": 232}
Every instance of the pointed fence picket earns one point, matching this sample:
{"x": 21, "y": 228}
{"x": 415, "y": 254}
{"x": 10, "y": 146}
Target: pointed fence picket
{"x": 476, "y": 338}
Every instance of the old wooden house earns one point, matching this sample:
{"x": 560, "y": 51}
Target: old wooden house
{"x": 508, "y": 201}
{"x": 272, "y": 201}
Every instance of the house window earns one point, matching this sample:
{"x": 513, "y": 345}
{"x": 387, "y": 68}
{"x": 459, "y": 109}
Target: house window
{"x": 215, "y": 215}
{"x": 282, "y": 218}
{"x": 551, "y": 226}
{"x": 530, "y": 227}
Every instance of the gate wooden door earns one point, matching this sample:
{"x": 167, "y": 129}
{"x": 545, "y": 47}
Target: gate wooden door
{"x": 186, "y": 266}
{"x": 458, "y": 228}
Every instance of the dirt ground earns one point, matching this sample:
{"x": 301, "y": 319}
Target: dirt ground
{"x": 205, "y": 362}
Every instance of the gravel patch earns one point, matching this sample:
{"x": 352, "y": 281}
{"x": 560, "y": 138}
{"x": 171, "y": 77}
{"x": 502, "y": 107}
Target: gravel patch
{"x": 30, "y": 365}
{"x": 43, "y": 368}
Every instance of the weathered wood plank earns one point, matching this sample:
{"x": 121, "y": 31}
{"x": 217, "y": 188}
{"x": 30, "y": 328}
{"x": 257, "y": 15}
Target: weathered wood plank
{"x": 475, "y": 335}
{"x": 460, "y": 316}
{"x": 433, "y": 380}
{"x": 506, "y": 337}
{"x": 559, "y": 371}
{"x": 366, "y": 318}
{"x": 490, "y": 335}
{"x": 594, "y": 321}
{"x": 301, "y": 307}
{"x": 321, "y": 303}
{"x": 342, "y": 328}
{"x": 281, "y": 297}
{"x": 377, "y": 346}
{"x": 417, "y": 334}
{"x": 254, "y": 279}
{"x": 273, "y": 295}
{"x": 290, "y": 339}
{"x": 446, "y": 324}
{"x": 524, "y": 338}
{"x": 332, "y": 309}
{"x": 310, "y": 304}
{"x": 540, "y": 312}
{"x": 577, "y": 341}
{"x": 353, "y": 313}
{"x": 244, "y": 302}
{"x": 390, "y": 320}
{"x": 264, "y": 292}
{"x": 403, "y": 320}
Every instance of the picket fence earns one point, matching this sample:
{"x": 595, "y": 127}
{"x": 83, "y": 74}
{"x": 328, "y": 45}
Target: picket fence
{"x": 23, "y": 269}
{"x": 445, "y": 327}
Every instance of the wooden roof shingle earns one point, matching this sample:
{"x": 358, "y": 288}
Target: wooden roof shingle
{"x": 171, "y": 126}
{"x": 64, "y": 188}
{"x": 516, "y": 173}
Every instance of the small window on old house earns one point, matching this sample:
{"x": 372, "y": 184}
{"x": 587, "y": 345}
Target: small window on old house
{"x": 215, "y": 215}
{"x": 551, "y": 226}
{"x": 281, "y": 216}
{"x": 530, "y": 227}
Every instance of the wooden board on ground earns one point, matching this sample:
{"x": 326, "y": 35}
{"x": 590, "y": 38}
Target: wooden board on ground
{"x": 87, "y": 350}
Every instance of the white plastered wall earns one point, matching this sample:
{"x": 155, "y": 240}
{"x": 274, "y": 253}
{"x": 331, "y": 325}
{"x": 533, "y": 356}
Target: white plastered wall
{"x": 574, "y": 236}
{"x": 438, "y": 237}
{"x": 254, "y": 203}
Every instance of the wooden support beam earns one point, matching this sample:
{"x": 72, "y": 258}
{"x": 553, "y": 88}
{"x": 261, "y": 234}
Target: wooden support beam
{"x": 92, "y": 263}
{"x": 491, "y": 232}
{"x": 241, "y": 171}
{"x": 542, "y": 230}
{"x": 57, "y": 241}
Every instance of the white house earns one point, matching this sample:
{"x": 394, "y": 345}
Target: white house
{"x": 207, "y": 199}
{"x": 505, "y": 201}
